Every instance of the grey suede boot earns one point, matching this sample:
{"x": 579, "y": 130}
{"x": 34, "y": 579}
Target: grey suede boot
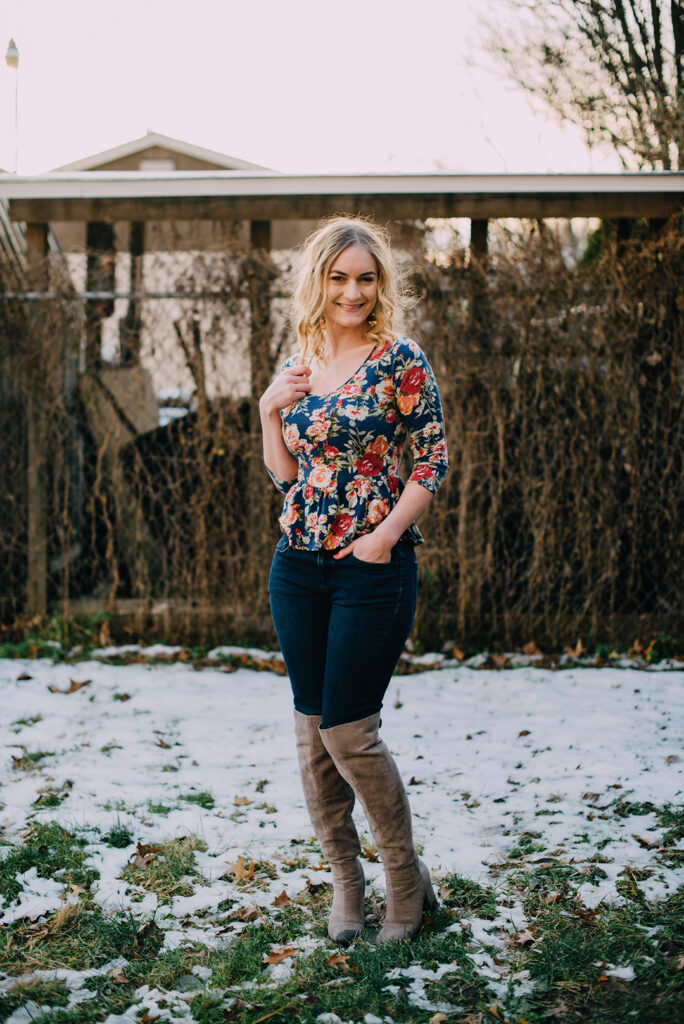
{"x": 330, "y": 801}
{"x": 367, "y": 765}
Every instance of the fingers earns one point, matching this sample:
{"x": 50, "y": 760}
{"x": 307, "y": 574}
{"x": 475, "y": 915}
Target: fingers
{"x": 343, "y": 552}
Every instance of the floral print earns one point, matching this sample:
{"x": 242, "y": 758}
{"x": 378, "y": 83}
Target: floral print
{"x": 349, "y": 444}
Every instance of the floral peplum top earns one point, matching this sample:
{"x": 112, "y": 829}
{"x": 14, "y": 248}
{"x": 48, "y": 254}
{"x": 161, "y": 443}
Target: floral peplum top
{"x": 349, "y": 444}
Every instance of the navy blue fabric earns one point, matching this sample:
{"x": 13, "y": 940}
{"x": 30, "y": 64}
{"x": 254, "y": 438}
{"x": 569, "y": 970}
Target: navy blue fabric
{"x": 341, "y": 626}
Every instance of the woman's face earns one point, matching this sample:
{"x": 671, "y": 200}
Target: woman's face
{"x": 351, "y": 288}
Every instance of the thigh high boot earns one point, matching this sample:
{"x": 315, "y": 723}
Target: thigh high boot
{"x": 329, "y": 801}
{"x": 365, "y": 762}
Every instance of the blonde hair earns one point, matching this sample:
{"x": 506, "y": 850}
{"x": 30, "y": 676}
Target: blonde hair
{"x": 317, "y": 256}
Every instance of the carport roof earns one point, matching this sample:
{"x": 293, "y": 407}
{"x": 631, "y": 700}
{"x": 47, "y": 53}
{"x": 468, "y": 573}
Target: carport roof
{"x": 266, "y": 195}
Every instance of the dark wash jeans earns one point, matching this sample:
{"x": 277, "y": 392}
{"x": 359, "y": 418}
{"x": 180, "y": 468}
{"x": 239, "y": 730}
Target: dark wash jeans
{"x": 341, "y": 626}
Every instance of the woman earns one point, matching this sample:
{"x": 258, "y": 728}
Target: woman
{"x": 343, "y": 580}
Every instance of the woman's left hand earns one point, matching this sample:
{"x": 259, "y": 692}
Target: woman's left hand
{"x": 369, "y": 547}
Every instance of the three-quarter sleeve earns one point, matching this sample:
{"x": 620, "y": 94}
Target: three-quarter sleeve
{"x": 281, "y": 485}
{"x": 419, "y": 405}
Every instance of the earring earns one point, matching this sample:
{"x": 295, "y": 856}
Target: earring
{"x": 372, "y": 320}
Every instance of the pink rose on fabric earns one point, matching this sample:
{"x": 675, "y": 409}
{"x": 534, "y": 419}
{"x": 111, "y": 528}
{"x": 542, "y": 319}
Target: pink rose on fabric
{"x": 377, "y": 510}
{"x": 321, "y": 476}
{"x": 339, "y": 527}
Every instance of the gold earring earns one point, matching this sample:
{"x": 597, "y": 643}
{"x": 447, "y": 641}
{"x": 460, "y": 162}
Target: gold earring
{"x": 372, "y": 320}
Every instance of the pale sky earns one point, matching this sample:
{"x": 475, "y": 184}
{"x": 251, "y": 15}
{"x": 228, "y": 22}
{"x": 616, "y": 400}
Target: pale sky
{"x": 296, "y": 85}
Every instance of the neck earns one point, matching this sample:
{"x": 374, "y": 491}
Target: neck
{"x": 341, "y": 339}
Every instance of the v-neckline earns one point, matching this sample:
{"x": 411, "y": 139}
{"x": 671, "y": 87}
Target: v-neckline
{"x": 329, "y": 394}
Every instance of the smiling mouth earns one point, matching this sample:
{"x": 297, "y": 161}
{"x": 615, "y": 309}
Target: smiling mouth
{"x": 351, "y": 309}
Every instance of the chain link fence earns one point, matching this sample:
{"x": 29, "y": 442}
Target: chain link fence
{"x": 130, "y": 450}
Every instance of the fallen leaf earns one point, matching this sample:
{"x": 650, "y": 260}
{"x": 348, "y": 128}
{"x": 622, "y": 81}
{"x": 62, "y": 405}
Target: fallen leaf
{"x": 282, "y": 901}
{"x": 524, "y": 732}
{"x": 370, "y": 854}
{"x": 241, "y": 801}
{"x": 147, "y": 1019}
{"x": 161, "y": 742}
{"x": 23, "y": 677}
{"x": 590, "y": 796}
{"x": 531, "y": 649}
{"x": 679, "y": 964}
{"x": 672, "y": 759}
{"x": 437, "y": 1018}
{"x": 608, "y": 984}
{"x": 118, "y": 976}
{"x": 74, "y": 686}
{"x": 458, "y": 654}
{"x": 247, "y": 914}
{"x": 500, "y": 660}
{"x": 524, "y": 938}
{"x": 646, "y": 843}
{"x": 339, "y": 960}
{"x": 239, "y": 870}
{"x": 279, "y": 954}
{"x": 493, "y": 1009}
{"x": 260, "y": 785}
{"x": 413, "y": 781}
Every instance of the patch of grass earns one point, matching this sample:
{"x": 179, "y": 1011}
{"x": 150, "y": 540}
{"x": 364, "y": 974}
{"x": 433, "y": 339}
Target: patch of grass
{"x": 48, "y": 796}
{"x": 203, "y": 799}
{"x": 166, "y": 870}
{"x": 118, "y": 836}
{"x": 29, "y": 760}
{"x": 159, "y": 808}
{"x": 568, "y": 946}
{"x": 78, "y": 936}
{"x": 470, "y": 898}
{"x": 24, "y": 723}
{"x": 42, "y": 993}
{"x": 53, "y": 851}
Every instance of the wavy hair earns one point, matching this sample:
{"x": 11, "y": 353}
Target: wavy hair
{"x": 317, "y": 255}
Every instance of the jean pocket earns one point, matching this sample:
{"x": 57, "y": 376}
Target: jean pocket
{"x": 283, "y": 544}
{"x": 362, "y": 561}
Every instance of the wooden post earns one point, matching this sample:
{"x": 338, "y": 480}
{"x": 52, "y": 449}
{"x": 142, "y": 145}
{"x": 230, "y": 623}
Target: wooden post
{"x": 259, "y": 291}
{"x": 36, "y": 589}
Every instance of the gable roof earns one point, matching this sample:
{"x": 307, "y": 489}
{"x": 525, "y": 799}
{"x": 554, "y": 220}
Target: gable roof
{"x": 152, "y": 139}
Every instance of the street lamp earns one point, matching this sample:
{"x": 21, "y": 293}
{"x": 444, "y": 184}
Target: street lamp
{"x": 12, "y": 61}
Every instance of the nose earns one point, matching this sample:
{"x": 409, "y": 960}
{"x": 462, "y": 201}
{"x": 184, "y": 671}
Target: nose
{"x": 352, "y": 291}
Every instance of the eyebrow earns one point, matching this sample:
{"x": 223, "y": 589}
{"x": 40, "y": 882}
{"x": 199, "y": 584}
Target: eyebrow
{"x": 365, "y": 273}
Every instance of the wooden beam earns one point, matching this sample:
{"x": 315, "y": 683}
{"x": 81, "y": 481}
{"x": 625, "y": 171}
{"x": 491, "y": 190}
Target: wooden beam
{"x": 36, "y": 593}
{"x": 388, "y": 206}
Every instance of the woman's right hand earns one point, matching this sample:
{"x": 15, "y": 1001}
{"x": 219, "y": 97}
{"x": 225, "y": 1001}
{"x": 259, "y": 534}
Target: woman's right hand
{"x": 289, "y": 386}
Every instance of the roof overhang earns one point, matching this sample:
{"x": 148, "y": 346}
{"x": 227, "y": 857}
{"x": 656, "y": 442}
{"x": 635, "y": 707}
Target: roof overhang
{"x": 261, "y": 195}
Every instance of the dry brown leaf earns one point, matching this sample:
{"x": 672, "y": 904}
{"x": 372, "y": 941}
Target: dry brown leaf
{"x": 524, "y": 938}
{"x": 413, "y": 781}
{"x": 144, "y": 854}
{"x": 147, "y": 1019}
{"x": 340, "y": 960}
{"x": 23, "y": 677}
{"x": 531, "y": 649}
{"x": 74, "y": 686}
{"x": 524, "y": 732}
{"x": 679, "y": 963}
{"x": 279, "y": 954}
{"x": 118, "y": 976}
{"x": 370, "y": 854}
{"x": 609, "y": 984}
{"x": 493, "y": 1009}
{"x": 459, "y": 654}
{"x": 161, "y": 742}
{"x": 241, "y": 801}
{"x": 500, "y": 660}
{"x": 437, "y": 1018}
{"x": 260, "y": 785}
{"x": 239, "y": 870}
{"x": 246, "y": 914}
{"x": 591, "y": 796}
{"x": 646, "y": 843}
{"x": 282, "y": 901}
{"x": 672, "y": 759}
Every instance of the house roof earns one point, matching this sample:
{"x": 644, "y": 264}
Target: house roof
{"x": 154, "y": 139}
{"x": 260, "y": 195}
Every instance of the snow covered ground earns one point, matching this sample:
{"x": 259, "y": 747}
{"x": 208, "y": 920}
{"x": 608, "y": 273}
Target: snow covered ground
{"x": 487, "y": 756}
